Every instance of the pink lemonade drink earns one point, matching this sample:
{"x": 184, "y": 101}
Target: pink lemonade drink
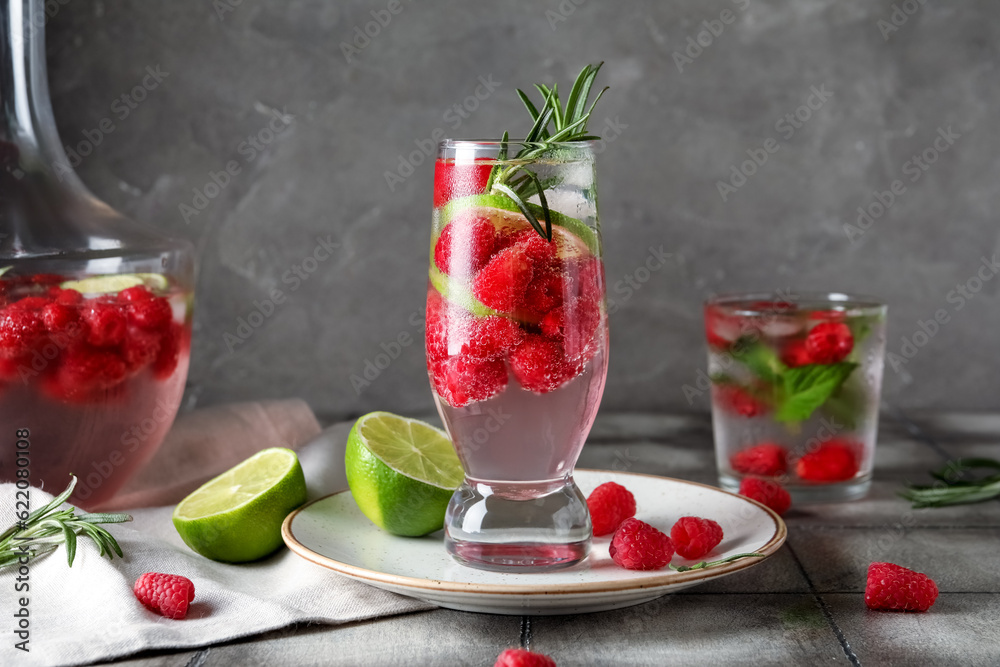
{"x": 90, "y": 382}
{"x": 795, "y": 391}
{"x": 517, "y": 344}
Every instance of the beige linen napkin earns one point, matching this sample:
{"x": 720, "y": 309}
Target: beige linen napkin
{"x": 88, "y": 613}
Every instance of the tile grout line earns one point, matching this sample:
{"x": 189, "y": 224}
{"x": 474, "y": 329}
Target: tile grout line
{"x": 199, "y": 658}
{"x": 825, "y": 609}
{"x": 525, "y": 637}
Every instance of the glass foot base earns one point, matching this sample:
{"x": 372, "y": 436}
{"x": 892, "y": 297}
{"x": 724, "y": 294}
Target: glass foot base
{"x": 803, "y": 494}
{"x": 518, "y": 527}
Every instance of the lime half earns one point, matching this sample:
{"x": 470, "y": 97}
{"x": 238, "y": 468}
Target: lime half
{"x": 112, "y": 284}
{"x": 237, "y": 516}
{"x": 402, "y": 472}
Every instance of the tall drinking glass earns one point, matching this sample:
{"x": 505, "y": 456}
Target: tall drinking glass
{"x": 517, "y": 345}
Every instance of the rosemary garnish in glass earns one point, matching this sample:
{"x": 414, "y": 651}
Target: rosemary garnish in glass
{"x": 569, "y": 123}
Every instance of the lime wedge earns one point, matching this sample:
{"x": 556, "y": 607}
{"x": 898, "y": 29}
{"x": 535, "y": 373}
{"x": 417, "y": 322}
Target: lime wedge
{"x": 112, "y": 284}
{"x": 237, "y": 516}
{"x": 402, "y": 472}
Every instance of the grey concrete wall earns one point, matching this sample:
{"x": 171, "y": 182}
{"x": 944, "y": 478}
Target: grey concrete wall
{"x": 681, "y": 119}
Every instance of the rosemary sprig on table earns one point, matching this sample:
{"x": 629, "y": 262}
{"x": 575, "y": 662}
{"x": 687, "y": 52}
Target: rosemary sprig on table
{"x": 47, "y": 527}
{"x": 569, "y": 123}
{"x": 953, "y": 487}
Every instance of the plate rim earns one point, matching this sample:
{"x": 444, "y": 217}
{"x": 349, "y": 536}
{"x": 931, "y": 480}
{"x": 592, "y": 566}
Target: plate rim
{"x": 664, "y": 578}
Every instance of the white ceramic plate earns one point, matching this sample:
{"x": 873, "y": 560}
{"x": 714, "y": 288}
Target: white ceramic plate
{"x": 333, "y": 532}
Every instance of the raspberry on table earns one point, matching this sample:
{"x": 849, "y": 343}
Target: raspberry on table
{"x": 767, "y": 459}
{"x": 766, "y": 492}
{"x": 694, "y": 537}
{"x": 541, "y": 366}
{"x": 896, "y": 588}
{"x": 472, "y": 240}
{"x": 829, "y": 342}
{"x": 832, "y": 461}
{"x": 502, "y": 283}
{"x": 609, "y": 505}
{"x": 519, "y": 657}
{"x": 165, "y": 594}
{"x": 463, "y": 380}
{"x": 638, "y": 546}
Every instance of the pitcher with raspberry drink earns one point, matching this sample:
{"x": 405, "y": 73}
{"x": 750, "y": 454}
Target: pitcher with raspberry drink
{"x": 517, "y": 337}
{"x": 95, "y": 309}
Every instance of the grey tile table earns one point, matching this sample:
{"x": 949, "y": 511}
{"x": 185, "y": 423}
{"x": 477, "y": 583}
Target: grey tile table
{"x": 803, "y": 606}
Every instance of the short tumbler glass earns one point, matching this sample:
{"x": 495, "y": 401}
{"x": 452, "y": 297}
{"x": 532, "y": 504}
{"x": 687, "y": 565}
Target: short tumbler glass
{"x": 795, "y": 382}
{"x": 517, "y": 345}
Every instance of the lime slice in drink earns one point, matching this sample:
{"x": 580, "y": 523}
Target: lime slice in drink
{"x": 402, "y": 472}
{"x": 572, "y": 237}
{"x": 112, "y": 284}
{"x": 237, "y": 516}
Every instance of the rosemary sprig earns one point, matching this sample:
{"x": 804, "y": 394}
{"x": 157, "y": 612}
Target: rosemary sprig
{"x": 953, "y": 487}
{"x": 47, "y": 527}
{"x": 569, "y": 123}
{"x": 704, "y": 565}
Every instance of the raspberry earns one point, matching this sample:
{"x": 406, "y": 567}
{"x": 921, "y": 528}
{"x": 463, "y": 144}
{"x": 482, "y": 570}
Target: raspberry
{"x": 460, "y": 381}
{"x": 59, "y": 317}
{"x": 795, "y": 354}
{"x": 69, "y": 297}
{"x": 833, "y": 461}
{"x": 766, "y": 492}
{"x": 518, "y": 657}
{"x": 170, "y": 350}
{"x": 896, "y": 588}
{"x": 152, "y": 314}
{"x": 541, "y": 253}
{"x": 540, "y": 365}
{"x": 609, "y": 505}
{"x": 31, "y": 303}
{"x": 829, "y": 342}
{"x": 544, "y": 293}
{"x": 20, "y": 330}
{"x": 492, "y": 337}
{"x": 459, "y": 180}
{"x": 737, "y": 400}
{"x": 107, "y": 324}
{"x": 502, "y": 283}
{"x": 165, "y": 594}
{"x": 140, "y": 349}
{"x": 135, "y": 294}
{"x": 695, "y": 537}
{"x": 721, "y": 329}
{"x": 638, "y": 546}
{"x": 766, "y": 459}
{"x": 470, "y": 241}
{"x": 578, "y": 337}
{"x": 589, "y": 279}
{"x": 436, "y": 334}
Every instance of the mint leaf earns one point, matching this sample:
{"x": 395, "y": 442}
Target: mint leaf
{"x": 808, "y": 387}
{"x": 760, "y": 359}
